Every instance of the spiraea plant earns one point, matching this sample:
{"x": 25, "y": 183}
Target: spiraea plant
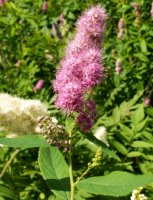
{"x": 80, "y": 73}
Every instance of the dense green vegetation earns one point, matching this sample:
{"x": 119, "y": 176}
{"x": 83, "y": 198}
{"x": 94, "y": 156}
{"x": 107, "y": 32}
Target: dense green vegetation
{"x": 32, "y": 43}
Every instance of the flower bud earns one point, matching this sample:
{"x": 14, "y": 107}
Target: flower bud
{"x": 118, "y": 68}
{"x": 120, "y": 34}
{"x": 121, "y": 23}
{"x": 147, "y": 102}
{"x": 136, "y": 7}
{"x": 44, "y": 6}
{"x": 39, "y": 85}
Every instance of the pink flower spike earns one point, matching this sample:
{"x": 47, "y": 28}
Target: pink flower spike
{"x": 39, "y": 85}
{"x": 82, "y": 68}
{"x": 2, "y": 2}
{"x": 151, "y": 12}
{"x": 44, "y": 6}
{"x": 118, "y": 68}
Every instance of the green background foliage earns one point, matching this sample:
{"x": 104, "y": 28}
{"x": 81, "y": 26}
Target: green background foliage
{"x": 31, "y": 49}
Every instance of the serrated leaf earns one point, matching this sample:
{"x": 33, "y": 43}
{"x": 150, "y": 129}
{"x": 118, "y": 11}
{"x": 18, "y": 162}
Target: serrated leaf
{"x": 115, "y": 184}
{"x": 142, "y": 144}
{"x": 141, "y": 125}
{"x": 135, "y": 98}
{"x": 126, "y": 129}
{"x": 109, "y": 122}
{"x": 124, "y": 109}
{"x": 99, "y": 143}
{"x": 134, "y": 154}
{"x": 138, "y": 115}
{"x": 26, "y": 141}
{"x": 55, "y": 171}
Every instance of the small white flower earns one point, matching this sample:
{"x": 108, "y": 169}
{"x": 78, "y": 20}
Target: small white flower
{"x": 133, "y": 198}
{"x": 137, "y": 196}
{"x": 101, "y": 134}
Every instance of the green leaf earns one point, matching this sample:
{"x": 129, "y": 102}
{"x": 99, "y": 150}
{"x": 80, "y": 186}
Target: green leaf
{"x": 143, "y": 46}
{"x": 69, "y": 124}
{"x": 55, "y": 171}
{"x": 128, "y": 132}
{"x": 120, "y": 147}
{"x": 99, "y": 143}
{"x": 116, "y": 114}
{"x": 150, "y": 111}
{"x": 115, "y": 184}
{"x": 5, "y": 192}
{"x": 138, "y": 115}
{"x": 149, "y": 157}
{"x": 109, "y": 122}
{"x": 26, "y": 141}
{"x": 141, "y": 125}
{"x": 142, "y": 144}
{"x": 134, "y": 154}
{"x": 124, "y": 109}
{"x": 135, "y": 98}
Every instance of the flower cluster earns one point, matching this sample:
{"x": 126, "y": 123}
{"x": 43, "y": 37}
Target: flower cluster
{"x": 96, "y": 160}
{"x": 119, "y": 67}
{"x": 81, "y": 69}
{"x": 136, "y": 7}
{"x": 151, "y": 12}
{"x": 18, "y": 115}
{"x": 137, "y": 11}
{"x": 137, "y": 196}
{"x": 53, "y": 133}
{"x": 121, "y": 25}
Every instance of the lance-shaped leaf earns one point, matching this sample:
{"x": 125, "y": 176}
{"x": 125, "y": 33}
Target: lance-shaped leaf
{"x": 99, "y": 143}
{"x": 55, "y": 171}
{"x": 116, "y": 184}
{"x": 26, "y": 141}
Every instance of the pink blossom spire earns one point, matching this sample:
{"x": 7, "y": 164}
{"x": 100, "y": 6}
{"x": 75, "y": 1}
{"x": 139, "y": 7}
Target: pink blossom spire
{"x": 44, "y": 6}
{"x": 2, "y": 2}
{"x": 82, "y": 68}
{"x": 151, "y": 12}
{"x": 119, "y": 67}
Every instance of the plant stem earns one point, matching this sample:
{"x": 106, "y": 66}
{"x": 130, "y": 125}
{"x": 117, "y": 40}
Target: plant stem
{"x": 9, "y": 162}
{"x": 84, "y": 173}
{"x": 70, "y": 167}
